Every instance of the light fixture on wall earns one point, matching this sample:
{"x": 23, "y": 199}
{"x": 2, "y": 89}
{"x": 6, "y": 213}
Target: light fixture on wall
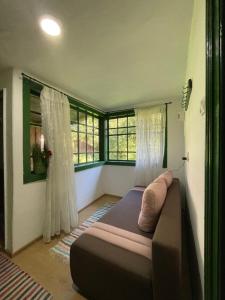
{"x": 187, "y": 89}
{"x": 50, "y": 26}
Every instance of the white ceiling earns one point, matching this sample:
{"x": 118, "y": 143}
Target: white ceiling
{"x": 112, "y": 53}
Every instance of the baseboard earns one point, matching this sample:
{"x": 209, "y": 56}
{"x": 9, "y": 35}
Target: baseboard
{"x": 26, "y": 246}
{"x": 195, "y": 279}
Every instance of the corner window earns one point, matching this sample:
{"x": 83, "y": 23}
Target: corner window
{"x": 85, "y": 136}
{"x": 121, "y": 132}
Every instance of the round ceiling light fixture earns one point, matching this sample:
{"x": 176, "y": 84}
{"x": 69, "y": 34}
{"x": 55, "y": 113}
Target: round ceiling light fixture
{"x": 50, "y": 26}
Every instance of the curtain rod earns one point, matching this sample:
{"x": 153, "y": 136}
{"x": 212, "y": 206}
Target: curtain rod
{"x": 51, "y": 87}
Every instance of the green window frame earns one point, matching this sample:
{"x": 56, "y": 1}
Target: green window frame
{"x": 121, "y": 138}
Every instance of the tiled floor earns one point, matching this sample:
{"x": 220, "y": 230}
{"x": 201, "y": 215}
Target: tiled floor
{"x": 50, "y": 271}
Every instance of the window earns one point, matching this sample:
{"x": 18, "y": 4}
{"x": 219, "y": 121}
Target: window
{"x": 121, "y": 133}
{"x": 85, "y": 136}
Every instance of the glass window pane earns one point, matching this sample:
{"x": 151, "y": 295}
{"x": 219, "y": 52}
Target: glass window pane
{"x": 131, "y": 121}
{"x": 75, "y": 159}
{"x": 82, "y": 128}
{"x": 82, "y": 142}
{"x": 122, "y": 130}
{"x": 122, "y": 155}
{"x": 112, "y": 123}
{"x": 74, "y": 141}
{"x": 82, "y": 158}
{"x": 112, "y": 131}
{"x": 96, "y": 122}
{"x": 36, "y": 137}
{"x": 96, "y": 131}
{"x": 112, "y": 156}
{"x": 122, "y": 143}
{"x": 74, "y": 127}
{"x": 82, "y": 118}
{"x": 73, "y": 115}
{"x": 35, "y": 104}
{"x": 122, "y": 122}
{"x": 112, "y": 143}
{"x": 89, "y": 157}
{"x": 131, "y": 129}
{"x": 35, "y": 118}
{"x": 89, "y": 120}
{"x": 131, "y": 156}
{"x": 90, "y": 130}
{"x": 132, "y": 142}
{"x": 96, "y": 156}
{"x": 96, "y": 143}
{"x": 90, "y": 143}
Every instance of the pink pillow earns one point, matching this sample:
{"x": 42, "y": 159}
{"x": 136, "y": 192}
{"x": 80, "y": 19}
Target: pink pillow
{"x": 152, "y": 201}
{"x": 167, "y": 176}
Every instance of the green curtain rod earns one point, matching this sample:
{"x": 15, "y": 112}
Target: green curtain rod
{"x": 51, "y": 87}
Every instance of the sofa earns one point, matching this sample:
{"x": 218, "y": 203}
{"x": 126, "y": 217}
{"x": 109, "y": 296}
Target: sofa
{"x": 101, "y": 269}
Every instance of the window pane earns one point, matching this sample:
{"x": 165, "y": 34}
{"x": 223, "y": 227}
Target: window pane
{"x": 122, "y": 122}
{"x": 96, "y": 122}
{"x": 90, "y": 130}
{"x": 112, "y": 123}
{"x": 73, "y": 115}
{"x": 90, "y": 157}
{"x": 74, "y": 141}
{"x": 82, "y": 128}
{"x": 90, "y": 143}
{"x": 131, "y": 121}
{"x": 35, "y": 118}
{"x": 75, "y": 158}
{"x": 82, "y": 142}
{"x": 112, "y": 131}
{"x": 82, "y": 158}
{"x": 89, "y": 120}
{"x": 96, "y": 143}
{"x": 122, "y": 143}
{"x": 112, "y": 156}
{"x": 96, "y": 156}
{"x": 131, "y": 129}
{"x": 122, "y": 155}
{"x": 122, "y": 130}
{"x": 131, "y": 156}
{"x": 82, "y": 118}
{"x": 132, "y": 142}
{"x": 35, "y": 104}
{"x": 74, "y": 127}
{"x": 112, "y": 143}
{"x": 96, "y": 131}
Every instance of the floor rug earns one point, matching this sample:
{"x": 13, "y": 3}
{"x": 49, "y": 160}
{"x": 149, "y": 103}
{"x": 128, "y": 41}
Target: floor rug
{"x": 62, "y": 248}
{"x": 15, "y": 284}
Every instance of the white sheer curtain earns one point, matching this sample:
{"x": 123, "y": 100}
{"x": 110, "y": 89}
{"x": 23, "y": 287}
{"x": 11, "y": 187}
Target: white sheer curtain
{"x": 150, "y": 136}
{"x": 60, "y": 209}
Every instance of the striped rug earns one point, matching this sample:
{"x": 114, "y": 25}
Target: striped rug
{"x": 62, "y": 248}
{"x": 15, "y": 284}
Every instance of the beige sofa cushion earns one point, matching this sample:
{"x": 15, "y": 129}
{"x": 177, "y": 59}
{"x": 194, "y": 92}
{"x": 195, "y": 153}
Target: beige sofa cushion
{"x": 152, "y": 201}
{"x": 167, "y": 176}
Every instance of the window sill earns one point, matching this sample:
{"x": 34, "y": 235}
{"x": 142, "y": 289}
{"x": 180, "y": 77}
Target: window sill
{"x": 121, "y": 163}
{"x": 86, "y": 166}
{"x": 28, "y": 178}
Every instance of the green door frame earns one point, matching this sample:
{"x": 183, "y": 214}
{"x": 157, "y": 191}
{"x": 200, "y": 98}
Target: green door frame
{"x": 213, "y": 179}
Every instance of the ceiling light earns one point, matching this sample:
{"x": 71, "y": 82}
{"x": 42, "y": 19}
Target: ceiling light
{"x": 50, "y": 26}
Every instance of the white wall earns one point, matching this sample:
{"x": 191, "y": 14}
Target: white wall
{"x": 119, "y": 179}
{"x": 6, "y": 83}
{"x": 195, "y": 130}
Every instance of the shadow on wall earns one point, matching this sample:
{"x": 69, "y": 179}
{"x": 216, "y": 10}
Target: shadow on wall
{"x": 192, "y": 248}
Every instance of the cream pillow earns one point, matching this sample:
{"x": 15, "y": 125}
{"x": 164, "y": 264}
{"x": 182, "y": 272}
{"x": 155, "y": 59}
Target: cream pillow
{"x": 152, "y": 201}
{"x": 167, "y": 176}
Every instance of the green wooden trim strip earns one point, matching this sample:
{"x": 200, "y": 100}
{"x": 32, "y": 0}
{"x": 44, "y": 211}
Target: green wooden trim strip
{"x": 121, "y": 162}
{"x": 87, "y": 166}
{"x": 120, "y": 113}
{"x": 212, "y": 260}
{"x": 166, "y": 140}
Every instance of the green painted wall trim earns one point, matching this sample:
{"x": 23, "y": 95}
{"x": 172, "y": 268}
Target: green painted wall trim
{"x": 166, "y": 139}
{"x": 120, "y": 163}
{"x": 213, "y": 135}
{"x": 87, "y": 166}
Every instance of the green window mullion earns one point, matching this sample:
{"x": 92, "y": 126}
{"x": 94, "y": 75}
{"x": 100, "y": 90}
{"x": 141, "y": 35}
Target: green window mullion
{"x": 127, "y": 138}
{"x": 78, "y": 135}
{"x": 86, "y": 134}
